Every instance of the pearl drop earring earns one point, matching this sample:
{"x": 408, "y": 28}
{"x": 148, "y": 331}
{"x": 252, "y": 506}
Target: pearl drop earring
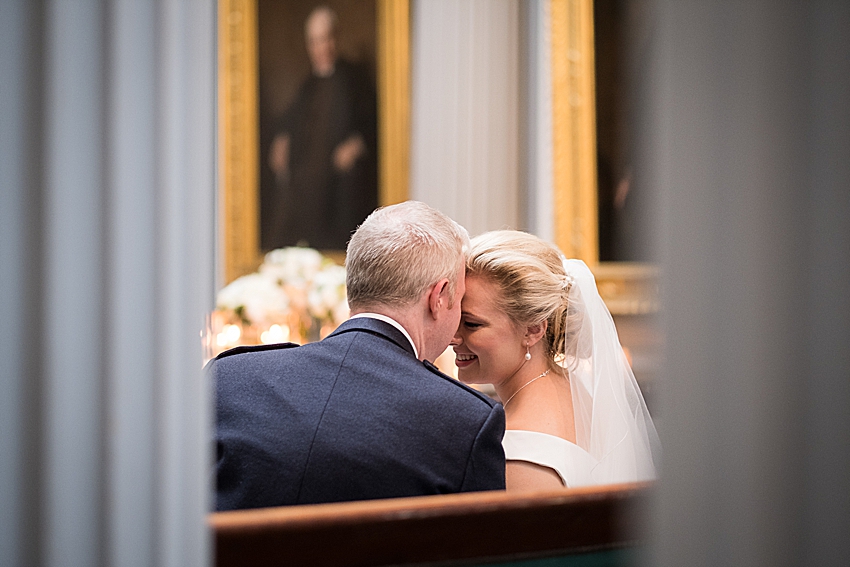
{"x": 527, "y": 354}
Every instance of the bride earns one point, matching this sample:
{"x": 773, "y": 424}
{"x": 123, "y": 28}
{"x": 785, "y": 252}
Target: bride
{"x": 534, "y": 326}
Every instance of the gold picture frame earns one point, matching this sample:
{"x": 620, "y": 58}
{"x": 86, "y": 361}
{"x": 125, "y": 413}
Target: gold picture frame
{"x": 238, "y": 123}
{"x": 574, "y": 129}
{"x": 627, "y": 288}
{"x": 237, "y": 137}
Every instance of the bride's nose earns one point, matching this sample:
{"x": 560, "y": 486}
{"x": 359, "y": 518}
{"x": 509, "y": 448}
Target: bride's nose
{"x": 456, "y": 340}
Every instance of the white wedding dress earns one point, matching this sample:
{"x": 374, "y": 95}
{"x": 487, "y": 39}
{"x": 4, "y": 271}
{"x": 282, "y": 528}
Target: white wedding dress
{"x": 572, "y": 463}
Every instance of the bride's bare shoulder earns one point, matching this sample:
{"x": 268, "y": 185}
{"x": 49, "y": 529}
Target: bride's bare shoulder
{"x": 522, "y": 475}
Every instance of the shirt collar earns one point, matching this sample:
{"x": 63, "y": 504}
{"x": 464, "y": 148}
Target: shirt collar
{"x": 392, "y": 322}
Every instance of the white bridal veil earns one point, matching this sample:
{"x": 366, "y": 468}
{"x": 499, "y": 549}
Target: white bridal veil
{"x": 612, "y": 421}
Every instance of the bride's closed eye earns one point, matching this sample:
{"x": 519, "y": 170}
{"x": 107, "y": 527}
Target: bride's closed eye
{"x": 471, "y": 325}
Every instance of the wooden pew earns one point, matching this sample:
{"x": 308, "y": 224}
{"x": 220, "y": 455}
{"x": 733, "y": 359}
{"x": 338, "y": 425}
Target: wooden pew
{"x": 470, "y": 528}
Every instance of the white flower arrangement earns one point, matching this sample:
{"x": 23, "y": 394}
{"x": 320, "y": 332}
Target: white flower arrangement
{"x": 296, "y": 290}
{"x": 255, "y": 298}
{"x": 294, "y": 266}
{"x": 326, "y": 299}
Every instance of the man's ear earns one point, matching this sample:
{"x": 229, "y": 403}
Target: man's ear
{"x": 438, "y": 297}
{"x": 533, "y": 333}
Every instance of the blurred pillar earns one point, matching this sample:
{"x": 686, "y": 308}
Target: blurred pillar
{"x": 749, "y": 128}
{"x": 106, "y": 242}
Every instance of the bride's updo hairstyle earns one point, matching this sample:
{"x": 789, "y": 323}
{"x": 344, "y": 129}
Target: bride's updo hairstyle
{"x": 529, "y": 273}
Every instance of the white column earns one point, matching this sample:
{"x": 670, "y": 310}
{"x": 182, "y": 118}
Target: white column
{"x": 465, "y": 112}
{"x": 74, "y": 293}
{"x": 108, "y": 134}
{"x": 186, "y": 62}
{"x": 536, "y": 144}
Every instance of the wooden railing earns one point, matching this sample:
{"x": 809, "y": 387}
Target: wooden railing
{"x": 495, "y": 526}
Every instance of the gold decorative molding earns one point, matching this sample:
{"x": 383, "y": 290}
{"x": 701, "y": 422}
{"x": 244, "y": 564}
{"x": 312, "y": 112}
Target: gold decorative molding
{"x": 628, "y": 288}
{"x": 393, "y": 100}
{"x": 238, "y": 125}
{"x": 574, "y": 129}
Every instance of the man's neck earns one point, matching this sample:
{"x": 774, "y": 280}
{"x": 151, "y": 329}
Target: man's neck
{"x": 406, "y": 319}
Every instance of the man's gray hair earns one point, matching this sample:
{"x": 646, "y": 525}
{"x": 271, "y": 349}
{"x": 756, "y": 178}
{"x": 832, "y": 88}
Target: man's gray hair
{"x": 401, "y": 250}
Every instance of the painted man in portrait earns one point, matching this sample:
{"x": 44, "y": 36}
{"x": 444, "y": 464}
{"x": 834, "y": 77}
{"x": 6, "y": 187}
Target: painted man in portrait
{"x": 323, "y": 153}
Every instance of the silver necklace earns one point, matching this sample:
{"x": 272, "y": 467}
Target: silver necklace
{"x": 523, "y": 386}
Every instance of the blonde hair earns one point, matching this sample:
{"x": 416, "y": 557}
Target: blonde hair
{"x": 533, "y": 285}
{"x": 401, "y": 250}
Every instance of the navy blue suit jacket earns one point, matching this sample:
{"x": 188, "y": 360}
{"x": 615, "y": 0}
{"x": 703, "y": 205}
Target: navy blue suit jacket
{"x": 353, "y": 417}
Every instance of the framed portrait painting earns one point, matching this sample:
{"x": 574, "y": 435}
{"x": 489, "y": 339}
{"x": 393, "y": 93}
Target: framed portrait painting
{"x": 313, "y": 121}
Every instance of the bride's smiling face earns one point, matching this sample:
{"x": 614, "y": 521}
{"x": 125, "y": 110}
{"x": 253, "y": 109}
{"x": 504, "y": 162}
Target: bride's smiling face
{"x": 488, "y": 345}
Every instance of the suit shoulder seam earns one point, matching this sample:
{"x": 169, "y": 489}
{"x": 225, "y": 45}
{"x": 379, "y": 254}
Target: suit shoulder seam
{"x": 483, "y": 397}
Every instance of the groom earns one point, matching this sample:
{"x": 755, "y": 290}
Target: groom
{"x": 363, "y": 414}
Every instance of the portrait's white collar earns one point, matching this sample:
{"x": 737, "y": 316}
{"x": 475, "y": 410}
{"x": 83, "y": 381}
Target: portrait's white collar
{"x": 392, "y": 322}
